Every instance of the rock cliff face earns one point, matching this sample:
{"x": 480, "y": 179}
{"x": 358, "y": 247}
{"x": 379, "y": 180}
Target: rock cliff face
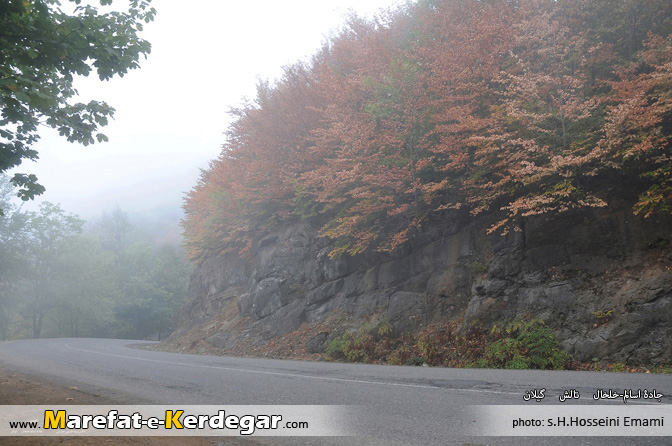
{"x": 600, "y": 278}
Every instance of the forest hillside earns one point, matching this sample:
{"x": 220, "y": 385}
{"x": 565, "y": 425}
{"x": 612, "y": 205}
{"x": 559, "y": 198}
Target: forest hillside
{"x": 457, "y": 160}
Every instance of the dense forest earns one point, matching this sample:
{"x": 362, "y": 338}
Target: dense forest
{"x": 445, "y": 109}
{"x": 61, "y": 276}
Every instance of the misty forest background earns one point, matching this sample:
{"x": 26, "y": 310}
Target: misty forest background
{"x": 63, "y": 277}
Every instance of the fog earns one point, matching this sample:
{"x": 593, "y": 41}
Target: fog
{"x": 98, "y": 254}
{"x": 172, "y": 112}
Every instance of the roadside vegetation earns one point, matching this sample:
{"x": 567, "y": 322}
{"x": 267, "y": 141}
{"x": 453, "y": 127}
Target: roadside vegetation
{"x": 522, "y": 344}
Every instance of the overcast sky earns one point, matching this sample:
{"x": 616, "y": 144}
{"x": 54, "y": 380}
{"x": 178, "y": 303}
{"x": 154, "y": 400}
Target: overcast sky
{"x": 172, "y": 112}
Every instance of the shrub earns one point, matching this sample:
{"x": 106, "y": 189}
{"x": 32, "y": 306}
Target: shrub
{"x": 665, "y": 369}
{"x": 337, "y": 348}
{"x": 618, "y": 367}
{"x": 521, "y": 344}
{"x": 370, "y": 343}
{"x": 399, "y": 356}
{"x": 415, "y": 361}
{"x": 525, "y": 345}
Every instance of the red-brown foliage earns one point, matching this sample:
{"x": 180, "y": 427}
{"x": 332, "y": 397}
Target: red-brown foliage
{"x": 498, "y": 106}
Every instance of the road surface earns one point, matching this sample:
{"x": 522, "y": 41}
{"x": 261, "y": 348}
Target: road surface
{"x": 392, "y": 405}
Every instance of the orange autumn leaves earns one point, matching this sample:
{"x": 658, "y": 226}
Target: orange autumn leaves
{"x": 446, "y": 108}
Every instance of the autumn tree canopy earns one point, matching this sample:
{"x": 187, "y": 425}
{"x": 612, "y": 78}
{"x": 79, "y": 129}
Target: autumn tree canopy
{"x": 512, "y": 108}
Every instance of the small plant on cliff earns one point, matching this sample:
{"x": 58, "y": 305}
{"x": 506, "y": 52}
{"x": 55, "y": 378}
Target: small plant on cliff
{"x": 384, "y": 327}
{"x": 371, "y": 343}
{"x": 399, "y": 356}
{"x": 478, "y": 267}
{"x": 603, "y": 317}
{"x": 618, "y": 367}
{"x": 524, "y": 345}
{"x": 337, "y": 348}
{"x": 348, "y": 348}
{"x": 428, "y": 349}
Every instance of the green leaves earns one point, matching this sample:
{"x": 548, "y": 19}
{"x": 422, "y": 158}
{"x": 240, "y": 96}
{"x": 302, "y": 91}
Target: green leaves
{"x": 28, "y": 184}
{"x": 42, "y": 49}
{"x": 526, "y": 345}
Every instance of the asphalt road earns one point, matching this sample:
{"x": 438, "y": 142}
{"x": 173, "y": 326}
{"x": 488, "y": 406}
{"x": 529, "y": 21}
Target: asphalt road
{"x": 392, "y": 405}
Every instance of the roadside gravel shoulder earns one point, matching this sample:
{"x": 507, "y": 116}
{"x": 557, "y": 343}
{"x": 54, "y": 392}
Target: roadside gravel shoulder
{"x": 19, "y": 389}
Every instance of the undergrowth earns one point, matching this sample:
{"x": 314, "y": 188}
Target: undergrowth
{"x": 524, "y": 345}
{"x": 521, "y": 344}
{"x": 370, "y": 343}
{"x": 665, "y": 369}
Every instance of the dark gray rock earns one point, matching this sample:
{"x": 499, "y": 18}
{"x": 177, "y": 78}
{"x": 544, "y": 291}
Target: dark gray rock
{"x": 317, "y": 344}
{"x": 565, "y": 270}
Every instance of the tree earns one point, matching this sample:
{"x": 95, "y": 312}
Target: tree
{"x": 48, "y": 232}
{"x": 171, "y": 273}
{"x": 12, "y": 225}
{"x": 152, "y": 283}
{"x": 114, "y": 230}
{"x": 447, "y": 109}
{"x": 544, "y": 125}
{"x": 83, "y": 290}
{"x": 42, "y": 48}
{"x": 55, "y": 281}
{"x": 637, "y": 131}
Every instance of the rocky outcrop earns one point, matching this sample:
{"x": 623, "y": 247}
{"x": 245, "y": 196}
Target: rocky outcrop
{"x": 600, "y": 278}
